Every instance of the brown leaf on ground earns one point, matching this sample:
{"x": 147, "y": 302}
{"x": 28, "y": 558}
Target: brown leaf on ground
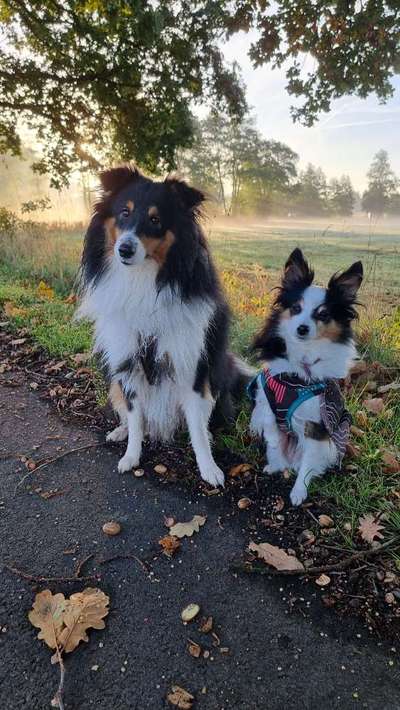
{"x": 47, "y": 615}
{"x": 84, "y": 610}
{"x": 187, "y": 529}
{"x": 81, "y": 358}
{"x": 170, "y": 544}
{"x": 275, "y": 556}
{"x": 180, "y": 698}
{"x": 194, "y": 649}
{"x": 352, "y": 450}
{"x": 206, "y": 624}
{"x": 239, "y": 468}
{"x": 374, "y": 405}
{"x": 391, "y": 464}
{"x": 369, "y": 528}
{"x": 325, "y": 521}
{"x": 391, "y": 387}
{"x": 323, "y": 580}
{"x": 358, "y": 367}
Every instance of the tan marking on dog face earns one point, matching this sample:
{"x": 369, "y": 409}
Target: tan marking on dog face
{"x": 116, "y": 397}
{"x": 153, "y": 211}
{"x": 285, "y": 315}
{"x": 112, "y": 234}
{"x": 331, "y": 330}
{"x": 158, "y": 249}
{"x": 130, "y": 205}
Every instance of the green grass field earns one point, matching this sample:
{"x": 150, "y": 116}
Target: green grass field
{"x": 249, "y": 258}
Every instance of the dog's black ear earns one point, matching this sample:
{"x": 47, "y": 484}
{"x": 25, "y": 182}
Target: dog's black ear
{"x": 297, "y": 273}
{"x": 113, "y": 180}
{"x": 189, "y": 197}
{"x": 348, "y": 282}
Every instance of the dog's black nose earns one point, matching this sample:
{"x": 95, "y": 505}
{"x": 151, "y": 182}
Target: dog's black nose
{"x": 303, "y": 330}
{"x": 126, "y": 250}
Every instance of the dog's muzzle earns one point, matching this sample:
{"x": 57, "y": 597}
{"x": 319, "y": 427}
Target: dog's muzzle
{"x": 127, "y": 250}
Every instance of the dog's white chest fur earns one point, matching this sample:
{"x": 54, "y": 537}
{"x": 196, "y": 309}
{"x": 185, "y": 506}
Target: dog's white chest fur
{"x": 127, "y": 311}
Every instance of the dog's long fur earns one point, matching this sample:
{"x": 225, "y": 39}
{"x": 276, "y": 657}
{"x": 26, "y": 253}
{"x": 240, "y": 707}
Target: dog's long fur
{"x": 325, "y": 351}
{"x": 161, "y": 319}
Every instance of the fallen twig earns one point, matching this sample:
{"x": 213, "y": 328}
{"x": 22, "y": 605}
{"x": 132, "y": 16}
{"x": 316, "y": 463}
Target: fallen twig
{"x": 334, "y": 567}
{"x": 57, "y": 458}
{"x": 42, "y": 580}
{"x": 80, "y": 564}
{"x": 125, "y": 556}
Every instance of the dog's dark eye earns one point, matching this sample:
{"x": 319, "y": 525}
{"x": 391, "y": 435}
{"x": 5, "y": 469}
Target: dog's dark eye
{"x": 154, "y": 219}
{"x": 322, "y": 315}
{"x": 295, "y": 309}
{"x": 125, "y": 212}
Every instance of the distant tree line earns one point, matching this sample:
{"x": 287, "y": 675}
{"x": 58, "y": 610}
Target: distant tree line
{"x": 246, "y": 173}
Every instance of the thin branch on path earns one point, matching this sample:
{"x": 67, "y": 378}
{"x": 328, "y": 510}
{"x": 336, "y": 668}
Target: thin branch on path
{"x": 334, "y": 567}
{"x": 38, "y": 579}
{"x": 126, "y": 556}
{"x": 81, "y": 563}
{"x": 57, "y": 458}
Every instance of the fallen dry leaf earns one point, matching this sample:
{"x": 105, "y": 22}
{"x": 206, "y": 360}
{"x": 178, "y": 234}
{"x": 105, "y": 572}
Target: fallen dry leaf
{"x": 84, "y": 610}
{"x": 18, "y": 341}
{"x": 323, "y": 580}
{"x": 81, "y": 358}
{"x": 369, "y": 528}
{"x": 160, "y": 468}
{"x": 244, "y": 503}
{"x": 392, "y": 386}
{"x": 180, "y": 698}
{"x": 10, "y": 310}
{"x": 374, "y": 405}
{"x": 356, "y": 431}
{"x": 169, "y": 521}
{"x": 391, "y": 463}
{"x": 275, "y": 556}
{"x": 239, "y": 468}
{"x": 206, "y": 625}
{"x": 170, "y": 544}
{"x": 187, "y": 529}
{"x": 325, "y": 521}
{"x": 358, "y": 367}
{"x": 306, "y": 537}
{"x": 47, "y": 615}
{"x": 45, "y": 291}
{"x": 194, "y": 649}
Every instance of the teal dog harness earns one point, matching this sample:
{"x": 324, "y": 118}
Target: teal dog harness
{"x": 286, "y": 392}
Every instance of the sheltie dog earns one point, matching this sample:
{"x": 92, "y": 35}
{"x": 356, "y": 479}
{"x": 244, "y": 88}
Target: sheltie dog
{"x": 308, "y": 344}
{"x": 160, "y": 318}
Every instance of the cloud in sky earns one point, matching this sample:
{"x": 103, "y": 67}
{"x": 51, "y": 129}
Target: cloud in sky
{"x": 343, "y": 141}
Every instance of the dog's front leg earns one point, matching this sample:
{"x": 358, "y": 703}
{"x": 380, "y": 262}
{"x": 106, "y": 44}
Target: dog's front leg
{"x": 197, "y": 410}
{"x": 317, "y": 457}
{"x": 263, "y": 423}
{"x": 133, "y": 451}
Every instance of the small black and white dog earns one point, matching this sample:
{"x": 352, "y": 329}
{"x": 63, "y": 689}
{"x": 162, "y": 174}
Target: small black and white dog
{"x": 161, "y": 320}
{"x": 308, "y": 344}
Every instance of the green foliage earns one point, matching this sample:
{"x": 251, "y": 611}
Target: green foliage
{"x": 353, "y": 47}
{"x": 382, "y": 183}
{"x": 109, "y": 79}
{"x": 233, "y": 162}
{"x": 98, "y": 81}
{"x": 341, "y": 196}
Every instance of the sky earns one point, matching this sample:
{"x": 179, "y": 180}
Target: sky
{"x": 343, "y": 141}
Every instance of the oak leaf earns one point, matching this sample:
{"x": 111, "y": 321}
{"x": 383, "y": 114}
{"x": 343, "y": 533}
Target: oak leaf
{"x": 276, "y": 557}
{"x": 369, "y": 528}
{"x": 187, "y": 529}
{"x": 84, "y": 610}
{"x": 47, "y": 615}
{"x": 170, "y": 544}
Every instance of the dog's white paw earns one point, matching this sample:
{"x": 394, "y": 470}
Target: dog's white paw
{"x": 120, "y": 433}
{"x": 127, "y": 463}
{"x": 276, "y": 462}
{"x": 298, "y": 494}
{"x": 213, "y": 475}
